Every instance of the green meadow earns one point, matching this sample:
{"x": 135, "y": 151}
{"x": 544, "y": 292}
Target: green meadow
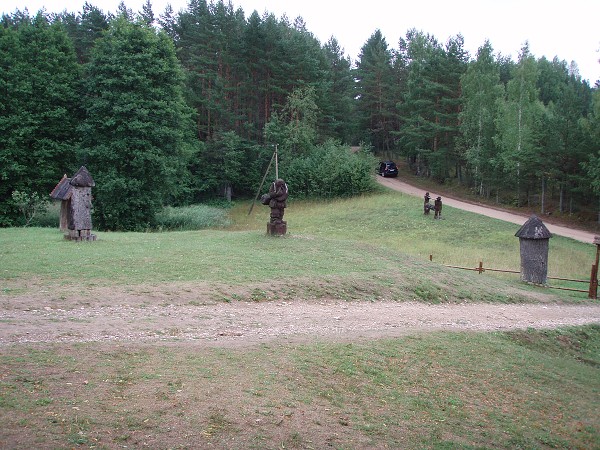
{"x": 533, "y": 388}
{"x": 374, "y": 243}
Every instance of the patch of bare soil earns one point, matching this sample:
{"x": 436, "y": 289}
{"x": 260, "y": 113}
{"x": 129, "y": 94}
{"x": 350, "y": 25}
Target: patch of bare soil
{"x": 158, "y": 315}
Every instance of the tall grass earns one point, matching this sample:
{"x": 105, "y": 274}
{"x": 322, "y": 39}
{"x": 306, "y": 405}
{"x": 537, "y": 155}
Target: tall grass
{"x": 195, "y": 217}
{"x": 48, "y": 217}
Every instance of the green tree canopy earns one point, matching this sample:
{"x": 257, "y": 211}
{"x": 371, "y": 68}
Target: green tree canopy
{"x": 39, "y": 80}
{"x": 134, "y": 136}
{"x": 519, "y": 123}
{"x": 375, "y": 105}
{"x": 481, "y": 91}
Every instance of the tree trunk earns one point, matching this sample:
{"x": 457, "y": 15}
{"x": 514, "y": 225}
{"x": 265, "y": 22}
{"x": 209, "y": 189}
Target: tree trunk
{"x": 561, "y": 206}
{"x": 518, "y": 184}
{"x": 543, "y": 193}
{"x": 571, "y": 206}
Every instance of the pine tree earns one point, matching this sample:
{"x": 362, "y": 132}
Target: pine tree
{"x": 338, "y": 106}
{"x": 564, "y": 138}
{"x": 374, "y": 75}
{"x": 124, "y": 12}
{"x": 147, "y": 15}
{"x": 421, "y": 106}
{"x": 591, "y": 125}
{"x": 450, "y": 160}
{"x": 255, "y": 45}
{"x": 136, "y": 125}
{"x": 193, "y": 44}
{"x": 168, "y": 22}
{"x": 228, "y": 72}
{"x": 91, "y": 23}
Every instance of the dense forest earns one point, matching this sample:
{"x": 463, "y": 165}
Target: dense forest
{"x": 186, "y": 107}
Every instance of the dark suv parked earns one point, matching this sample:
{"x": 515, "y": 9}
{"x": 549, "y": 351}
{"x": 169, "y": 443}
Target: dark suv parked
{"x": 388, "y": 169}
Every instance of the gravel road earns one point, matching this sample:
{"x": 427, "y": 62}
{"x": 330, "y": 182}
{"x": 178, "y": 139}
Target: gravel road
{"x": 246, "y": 324}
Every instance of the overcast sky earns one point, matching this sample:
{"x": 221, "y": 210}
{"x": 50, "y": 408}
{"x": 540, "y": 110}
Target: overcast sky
{"x": 569, "y": 30}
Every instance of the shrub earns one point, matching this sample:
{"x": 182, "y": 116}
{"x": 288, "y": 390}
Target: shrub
{"x": 30, "y": 204}
{"x": 49, "y": 218}
{"x": 331, "y": 170}
{"x": 193, "y": 217}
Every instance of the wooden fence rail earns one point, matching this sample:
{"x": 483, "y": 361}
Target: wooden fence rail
{"x": 592, "y": 282}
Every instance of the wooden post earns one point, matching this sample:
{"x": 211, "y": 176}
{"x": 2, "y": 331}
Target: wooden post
{"x": 430, "y": 257}
{"x": 480, "y": 269}
{"x": 593, "y": 292}
{"x": 261, "y": 184}
{"x": 597, "y": 242}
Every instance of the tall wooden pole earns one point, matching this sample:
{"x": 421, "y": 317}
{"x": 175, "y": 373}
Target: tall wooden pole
{"x": 593, "y": 293}
{"x": 276, "y": 164}
{"x": 261, "y": 183}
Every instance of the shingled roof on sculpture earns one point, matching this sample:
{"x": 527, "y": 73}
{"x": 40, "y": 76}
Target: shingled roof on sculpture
{"x": 534, "y": 228}
{"x": 62, "y": 191}
{"x": 82, "y": 178}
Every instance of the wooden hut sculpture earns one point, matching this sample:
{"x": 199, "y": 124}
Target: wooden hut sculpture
{"x": 534, "y": 240}
{"x": 62, "y": 192}
{"x": 76, "y": 205}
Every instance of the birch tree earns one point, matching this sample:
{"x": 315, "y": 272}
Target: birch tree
{"x": 518, "y": 123}
{"x": 481, "y": 91}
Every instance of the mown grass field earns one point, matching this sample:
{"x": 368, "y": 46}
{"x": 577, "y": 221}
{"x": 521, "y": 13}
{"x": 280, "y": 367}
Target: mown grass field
{"x": 526, "y": 389}
{"x": 395, "y": 222}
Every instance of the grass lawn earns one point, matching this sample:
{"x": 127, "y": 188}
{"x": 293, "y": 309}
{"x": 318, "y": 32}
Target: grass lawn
{"x": 525, "y": 389}
{"x": 531, "y": 389}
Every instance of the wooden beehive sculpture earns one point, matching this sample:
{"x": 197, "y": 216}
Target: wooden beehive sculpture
{"x": 80, "y": 216}
{"x": 75, "y": 195}
{"x": 534, "y": 240}
{"x": 62, "y": 191}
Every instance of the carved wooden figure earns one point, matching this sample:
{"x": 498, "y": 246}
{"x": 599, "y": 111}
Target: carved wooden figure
{"x": 277, "y": 201}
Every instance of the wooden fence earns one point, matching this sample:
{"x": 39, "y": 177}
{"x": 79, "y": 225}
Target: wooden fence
{"x": 592, "y": 283}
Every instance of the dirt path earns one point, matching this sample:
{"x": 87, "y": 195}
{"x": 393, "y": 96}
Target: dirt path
{"x": 401, "y": 186}
{"x": 246, "y": 324}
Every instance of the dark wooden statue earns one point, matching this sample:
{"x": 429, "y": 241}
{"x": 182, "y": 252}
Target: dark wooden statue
{"x": 277, "y": 201}
{"x": 426, "y": 204}
{"x": 437, "y": 207}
